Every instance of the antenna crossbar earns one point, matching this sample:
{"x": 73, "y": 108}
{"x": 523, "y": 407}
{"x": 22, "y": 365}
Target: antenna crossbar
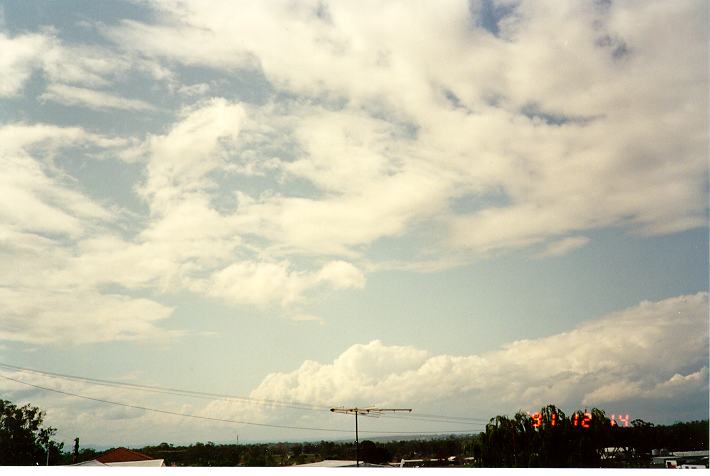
{"x": 366, "y": 411}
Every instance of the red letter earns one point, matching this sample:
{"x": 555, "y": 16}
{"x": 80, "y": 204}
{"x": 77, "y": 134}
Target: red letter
{"x": 537, "y": 420}
{"x": 553, "y": 418}
{"x": 586, "y": 420}
{"x": 624, "y": 419}
{"x": 612, "y": 422}
{"x": 575, "y": 419}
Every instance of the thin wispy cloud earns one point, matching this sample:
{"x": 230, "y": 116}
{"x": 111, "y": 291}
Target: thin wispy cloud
{"x": 93, "y": 99}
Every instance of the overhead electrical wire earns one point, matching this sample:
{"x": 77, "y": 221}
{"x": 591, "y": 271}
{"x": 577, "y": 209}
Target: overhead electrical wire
{"x": 436, "y": 420}
{"x": 223, "y": 420}
{"x": 454, "y": 417}
{"x": 211, "y": 396}
{"x": 168, "y": 390}
{"x": 168, "y": 412}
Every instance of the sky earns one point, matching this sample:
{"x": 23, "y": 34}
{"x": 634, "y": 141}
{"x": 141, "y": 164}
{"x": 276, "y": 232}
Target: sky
{"x": 463, "y": 208}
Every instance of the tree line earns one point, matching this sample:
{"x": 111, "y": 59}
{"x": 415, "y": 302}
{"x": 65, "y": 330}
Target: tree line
{"x": 548, "y": 438}
{"x": 585, "y": 438}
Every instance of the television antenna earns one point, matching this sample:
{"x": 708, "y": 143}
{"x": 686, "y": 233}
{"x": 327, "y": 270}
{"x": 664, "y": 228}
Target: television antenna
{"x": 367, "y": 411}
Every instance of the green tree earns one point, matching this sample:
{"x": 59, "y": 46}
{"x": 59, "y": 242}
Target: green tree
{"x": 371, "y": 452}
{"x": 23, "y": 439}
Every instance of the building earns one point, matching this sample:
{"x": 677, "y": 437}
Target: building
{"x": 339, "y": 463}
{"x": 123, "y": 457}
{"x": 678, "y": 459}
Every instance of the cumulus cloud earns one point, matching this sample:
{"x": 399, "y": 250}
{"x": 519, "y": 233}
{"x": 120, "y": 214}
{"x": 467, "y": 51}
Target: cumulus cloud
{"x": 677, "y": 386}
{"x": 264, "y": 283}
{"x": 630, "y": 353}
{"x": 342, "y": 275}
{"x": 258, "y": 283}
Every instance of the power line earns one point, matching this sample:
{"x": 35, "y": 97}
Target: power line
{"x": 168, "y": 412}
{"x": 365, "y": 411}
{"x": 168, "y": 390}
{"x": 433, "y": 420}
{"x": 455, "y": 417}
{"x": 211, "y": 396}
{"x": 223, "y": 420}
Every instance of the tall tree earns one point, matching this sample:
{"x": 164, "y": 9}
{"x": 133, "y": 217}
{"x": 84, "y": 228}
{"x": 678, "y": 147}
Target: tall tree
{"x": 23, "y": 439}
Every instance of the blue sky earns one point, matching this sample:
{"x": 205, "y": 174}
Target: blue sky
{"x": 467, "y": 209}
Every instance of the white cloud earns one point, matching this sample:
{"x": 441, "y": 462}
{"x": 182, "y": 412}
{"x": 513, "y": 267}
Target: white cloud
{"x": 42, "y": 141}
{"x": 351, "y": 376}
{"x": 258, "y": 283}
{"x": 266, "y": 283}
{"x": 630, "y": 355}
{"x": 563, "y": 246}
{"x": 73, "y": 415}
{"x": 76, "y": 317}
{"x": 20, "y": 137}
{"x": 570, "y": 151}
{"x": 91, "y": 98}
{"x": 36, "y": 196}
{"x": 199, "y": 89}
{"x": 18, "y": 60}
{"x": 447, "y": 115}
{"x": 181, "y": 160}
{"x": 585, "y": 366}
{"x": 302, "y": 317}
{"x": 52, "y": 231}
{"x": 186, "y": 245}
{"x": 83, "y": 65}
{"x": 75, "y": 64}
{"x": 675, "y": 387}
{"x": 342, "y": 275}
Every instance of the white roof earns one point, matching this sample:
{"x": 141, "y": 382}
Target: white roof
{"x": 340, "y": 463}
{"x": 148, "y": 463}
{"x": 92, "y": 462}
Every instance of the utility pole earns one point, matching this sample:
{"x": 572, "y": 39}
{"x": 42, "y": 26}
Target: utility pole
{"x": 369, "y": 411}
{"x": 75, "y": 456}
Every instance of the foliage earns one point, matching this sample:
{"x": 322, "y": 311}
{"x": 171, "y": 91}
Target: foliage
{"x": 23, "y": 440}
{"x": 518, "y": 441}
{"x": 507, "y": 442}
{"x": 371, "y": 452}
{"x": 526, "y": 441}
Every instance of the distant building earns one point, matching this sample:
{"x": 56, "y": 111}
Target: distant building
{"x": 680, "y": 459}
{"x": 123, "y": 457}
{"x": 339, "y": 463}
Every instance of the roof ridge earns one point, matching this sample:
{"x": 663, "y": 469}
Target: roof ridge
{"x": 122, "y": 454}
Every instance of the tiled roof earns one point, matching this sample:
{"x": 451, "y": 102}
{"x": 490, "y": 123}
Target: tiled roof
{"x": 120, "y": 455}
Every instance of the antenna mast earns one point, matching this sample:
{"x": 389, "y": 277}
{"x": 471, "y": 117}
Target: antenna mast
{"x": 369, "y": 411}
